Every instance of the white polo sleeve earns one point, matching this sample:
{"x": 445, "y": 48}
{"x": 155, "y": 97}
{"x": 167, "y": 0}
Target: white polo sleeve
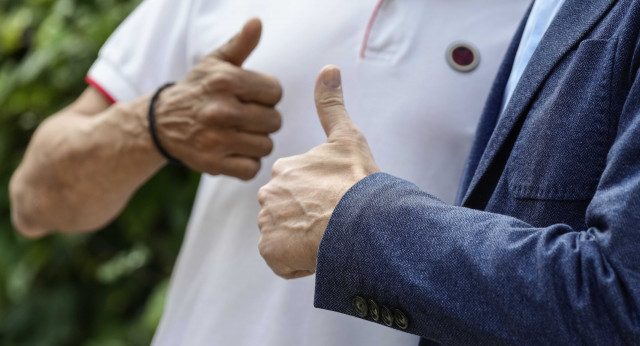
{"x": 147, "y": 50}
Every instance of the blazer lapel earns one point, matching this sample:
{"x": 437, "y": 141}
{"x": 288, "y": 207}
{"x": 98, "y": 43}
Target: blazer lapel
{"x": 490, "y": 112}
{"x": 572, "y": 23}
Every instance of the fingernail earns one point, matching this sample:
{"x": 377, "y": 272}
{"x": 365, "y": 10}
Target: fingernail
{"x": 331, "y": 78}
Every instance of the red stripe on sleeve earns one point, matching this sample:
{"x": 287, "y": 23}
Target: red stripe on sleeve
{"x": 98, "y": 87}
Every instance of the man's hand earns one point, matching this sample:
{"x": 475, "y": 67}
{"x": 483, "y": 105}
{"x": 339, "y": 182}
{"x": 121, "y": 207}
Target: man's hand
{"x": 85, "y": 162}
{"x": 217, "y": 120}
{"x": 304, "y": 190}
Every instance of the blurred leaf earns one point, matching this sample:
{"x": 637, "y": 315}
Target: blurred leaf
{"x": 19, "y": 282}
{"x": 13, "y": 28}
{"x": 123, "y": 264}
{"x": 100, "y": 289}
{"x": 155, "y": 304}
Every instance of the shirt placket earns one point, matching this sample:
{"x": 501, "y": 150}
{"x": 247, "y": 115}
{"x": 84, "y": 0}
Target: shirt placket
{"x": 389, "y": 31}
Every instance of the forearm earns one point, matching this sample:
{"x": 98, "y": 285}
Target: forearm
{"x": 80, "y": 170}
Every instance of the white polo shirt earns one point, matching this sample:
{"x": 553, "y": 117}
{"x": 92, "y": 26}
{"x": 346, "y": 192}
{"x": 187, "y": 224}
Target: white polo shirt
{"x": 418, "y": 113}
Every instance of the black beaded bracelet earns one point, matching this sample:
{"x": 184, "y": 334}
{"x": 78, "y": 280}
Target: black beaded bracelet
{"x": 152, "y": 127}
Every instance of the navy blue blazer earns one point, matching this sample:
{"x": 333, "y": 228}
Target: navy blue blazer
{"x": 544, "y": 247}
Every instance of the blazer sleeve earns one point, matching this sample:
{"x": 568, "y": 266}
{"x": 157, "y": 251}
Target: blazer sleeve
{"x": 463, "y": 276}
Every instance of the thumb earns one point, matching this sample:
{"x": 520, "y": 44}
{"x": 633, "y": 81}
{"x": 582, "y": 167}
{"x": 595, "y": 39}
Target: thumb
{"x": 330, "y": 102}
{"x": 238, "y": 48}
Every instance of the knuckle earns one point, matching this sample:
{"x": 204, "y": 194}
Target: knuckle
{"x": 223, "y": 113}
{"x": 272, "y": 252}
{"x": 250, "y": 171}
{"x": 263, "y": 220}
{"x": 278, "y": 167}
{"x": 263, "y": 196}
{"x": 212, "y": 167}
{"x": 267, "y": 146}
{"x": 261, "y": 247}
{"x": 331, "y": 101}
{"x": 221, "y": 80}
{"x": 295, "y": 273}
{"x": 276, "y": 88}
{"x": 208, "y": 111}
{"x": 230, "y": 114}
{"x": 265, "y": 248}
{"x": 276, "y": 120}
{"x": 208, "y": 142}
{"x": 256, "y": 167}
{"x": 212, "y": 163}
{"x": 283, "y": 272}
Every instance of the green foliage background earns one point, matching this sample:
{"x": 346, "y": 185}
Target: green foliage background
{"x": 105, "y": 288}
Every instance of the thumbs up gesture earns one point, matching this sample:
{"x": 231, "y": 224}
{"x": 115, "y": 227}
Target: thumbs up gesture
{"x": 218, "y": 119}
{"x": 304, "y": 190}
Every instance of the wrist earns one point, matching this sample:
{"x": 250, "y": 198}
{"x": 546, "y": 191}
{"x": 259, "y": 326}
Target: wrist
{"x": 153, "y": 129}
{"x": 132, "y": 119}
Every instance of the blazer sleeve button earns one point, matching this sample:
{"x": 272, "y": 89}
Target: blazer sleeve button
{"x": 360, "y": 306}
{"x": 374, "y": 311}
{"x": 386, "y": 316}
{"x": 401, "y": 319}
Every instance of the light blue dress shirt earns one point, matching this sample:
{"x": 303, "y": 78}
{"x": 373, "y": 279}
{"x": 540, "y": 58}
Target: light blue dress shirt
{"x": 542, "y": 14}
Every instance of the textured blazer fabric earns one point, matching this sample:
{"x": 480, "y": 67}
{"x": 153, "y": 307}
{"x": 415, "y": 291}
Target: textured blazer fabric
{"x": 544, "y": 244}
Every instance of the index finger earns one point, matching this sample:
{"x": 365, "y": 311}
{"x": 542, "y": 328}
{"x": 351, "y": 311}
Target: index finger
{"x": 258, "y": 88}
